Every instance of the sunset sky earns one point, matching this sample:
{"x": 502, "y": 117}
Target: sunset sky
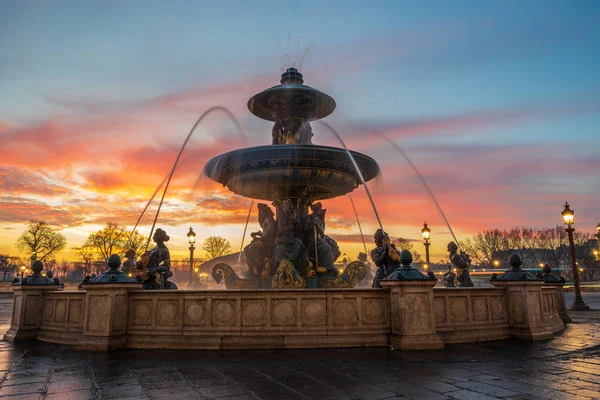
{"x": 498, "y": 106}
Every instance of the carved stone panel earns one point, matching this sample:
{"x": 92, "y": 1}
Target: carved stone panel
{"x": 458, "y": 309}
{"x": 254, "y": 312}
{"x": 60, "y": 311}
{"x": 479, "y": 308}
{"x": 48, "y": 310}
{"x": 419, "y": 305}
{"x": 517, "y": 305}
{"x": 534, "y": 306}
{"x": 119, "y": 320}
{"x": 167, "y": 312}
{"x": 439, "y": 307}
{"x": 374, "y": 311}
{"x": 195, "y": 313}
{"x": 345, "y": 312}
{"x": 33, "y": 310}
{"x": 283, "y": 312}
{"x": 142, "y": 312}
{"x": 223, "y": 313}
{"x": 75, "y": 311}
{"x": 98, "y": 306}
{"x": 314, "y": 312}
{"x": 497, "y": 307}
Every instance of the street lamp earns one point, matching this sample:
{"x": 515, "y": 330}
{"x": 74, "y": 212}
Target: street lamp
{"x": 568, "y": 216}
{"x": 192, "y": 239}
{"x": 23, "y": 268}
{"x": 426, "y": 233}
{"x": 597, "y": 252}
{"x": 496, "y": 263}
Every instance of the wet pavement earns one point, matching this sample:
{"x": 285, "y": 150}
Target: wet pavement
{"x": 566, "y": 367}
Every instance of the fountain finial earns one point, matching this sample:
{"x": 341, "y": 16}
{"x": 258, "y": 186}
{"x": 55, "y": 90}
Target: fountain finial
{"x": 292, "y": 77}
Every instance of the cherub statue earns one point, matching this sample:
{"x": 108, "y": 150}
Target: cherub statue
{"x": 155, "y": 265}
{"x": 449, "y": 277}
{"x": 461, "y": 262}
{"x": 385, "y": 256}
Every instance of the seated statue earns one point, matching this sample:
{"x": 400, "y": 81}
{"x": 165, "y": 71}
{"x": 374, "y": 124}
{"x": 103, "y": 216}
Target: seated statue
{"x": 288, "y": 245}
{"x": 449, "y": 277}
{"x": 129, "y": 264}
{"x": 261, "y": 246}
{"x": 319, "y": 248}
{"x": 291, "y": 130}
{"x": 155, "y": 266}
{"x": 385, "y": 257}
{"x": 462, "y": 263}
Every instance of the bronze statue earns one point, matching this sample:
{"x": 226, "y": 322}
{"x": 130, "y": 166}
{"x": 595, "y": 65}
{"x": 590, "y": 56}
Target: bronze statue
{"x": 291, "y": 130}
{"x": 318, "y": 248}
{"x": 129, "y": 263}
{"x": 385, "y": 256}
{"x": 449, "y": 277}
{"x": 261, "y": 246}
{"x": 366, "y": 281}
{"x": 288, "y": 245}
{"x": 462, "y": 263}
{"x": 548, "y": 276}
{"x": 155, "y": 266}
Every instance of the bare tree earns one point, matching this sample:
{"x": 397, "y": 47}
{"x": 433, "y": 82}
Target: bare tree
{"x": 110, "y": 240}
{"x": 41, "y": 240}
{"x": 7, "y": 264}
{"x": 485, "y": 246}
{"x": 137, "y": 243}
{"x": 86, "y": 254}
{"x": 216, "y": 246}
{"x": 405, "y": 244}
{"x": 551, "y": 242}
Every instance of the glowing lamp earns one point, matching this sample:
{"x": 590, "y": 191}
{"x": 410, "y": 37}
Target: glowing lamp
{"x": 568, "y": 215}
{"x": 191, "y": 236}
{"x": 426, "y": 232}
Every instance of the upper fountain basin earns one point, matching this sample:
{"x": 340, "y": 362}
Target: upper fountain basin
{"x": 276, "y": 172}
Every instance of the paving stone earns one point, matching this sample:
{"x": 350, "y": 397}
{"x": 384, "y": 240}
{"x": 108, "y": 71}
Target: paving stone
{"x": 469, "y": 395}
{"x": 122, "y": 392}
{"x": 71, "y": 395}
{"x": 486, "y": 389}
{"x": 27, "y": 388}
{"x": 68, "y": 385}
{"x": 22, "y": 397}
{"x": 178, "y": 393}
{"x": 411, "y": 391}
{"x": 221, "y": 390}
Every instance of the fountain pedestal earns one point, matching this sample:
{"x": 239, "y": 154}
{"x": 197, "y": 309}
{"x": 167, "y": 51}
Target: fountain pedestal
{"x": 412, "y": 315}
{"x": 28, "y": 308}
{"x": 105, "y": 316}
{"x": 525, "y": 310}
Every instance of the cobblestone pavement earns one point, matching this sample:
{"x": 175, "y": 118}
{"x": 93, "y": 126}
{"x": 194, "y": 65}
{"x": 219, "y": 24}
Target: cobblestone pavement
{"x": 566, "y": 367}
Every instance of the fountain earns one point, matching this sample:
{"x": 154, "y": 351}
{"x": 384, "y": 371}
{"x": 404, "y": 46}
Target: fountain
{"x": 292, "y": 250}
{"x": 291, "y": 253}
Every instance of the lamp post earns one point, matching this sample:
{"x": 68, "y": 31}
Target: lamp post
{"x": 23, "y": 268}
{"x": 426, "y": 233}
{"x": 597, "y": 252}
{"x": 568, "y": 216}
{"x": 496, "y": 263}
{"x": 192, "y": 239}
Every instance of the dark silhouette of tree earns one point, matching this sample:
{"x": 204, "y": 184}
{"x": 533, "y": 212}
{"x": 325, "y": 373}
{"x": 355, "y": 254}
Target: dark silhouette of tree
{"x": 216, "y": 246}
{"x": 41, "y": 239}
{"x": 110, "y": 240}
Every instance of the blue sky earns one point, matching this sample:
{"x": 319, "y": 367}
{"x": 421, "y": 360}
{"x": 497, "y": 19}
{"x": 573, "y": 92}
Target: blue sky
{"x": 515, "y": 82}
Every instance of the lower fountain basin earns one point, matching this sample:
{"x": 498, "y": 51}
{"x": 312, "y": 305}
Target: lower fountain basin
{"x": 275, "y": 172}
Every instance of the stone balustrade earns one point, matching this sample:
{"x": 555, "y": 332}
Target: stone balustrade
{"x": 408, "y": 315}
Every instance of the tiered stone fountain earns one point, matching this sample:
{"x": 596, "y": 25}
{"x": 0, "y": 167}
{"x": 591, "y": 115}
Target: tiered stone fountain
{"x": 292, "y": 250}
